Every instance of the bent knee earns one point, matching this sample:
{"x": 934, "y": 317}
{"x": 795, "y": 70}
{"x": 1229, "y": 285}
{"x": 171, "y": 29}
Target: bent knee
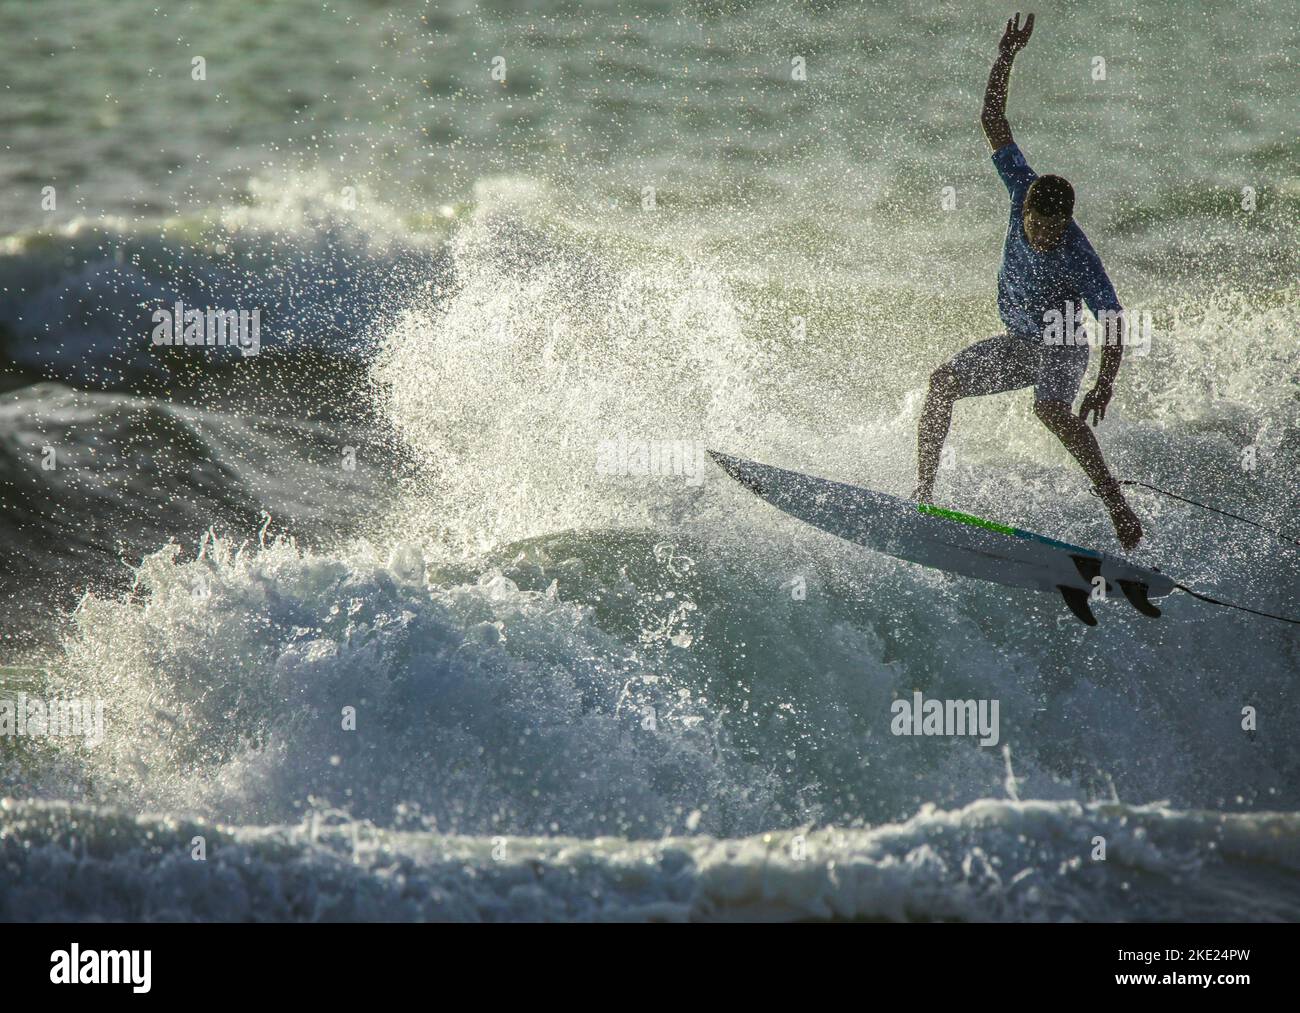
{"x": 944, "y": 384}
{"x": 1054, "y": 414}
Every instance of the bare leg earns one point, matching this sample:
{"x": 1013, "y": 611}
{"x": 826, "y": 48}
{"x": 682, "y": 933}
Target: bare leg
{"x": 936, "y": 417}
{"x": 1079, "y": 440}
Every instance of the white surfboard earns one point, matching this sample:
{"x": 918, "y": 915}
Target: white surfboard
{"x": 951, "y": 541}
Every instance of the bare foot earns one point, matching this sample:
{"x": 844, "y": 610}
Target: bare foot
{"x": 1128, "y": 529}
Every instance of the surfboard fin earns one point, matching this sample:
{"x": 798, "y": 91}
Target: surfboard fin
{"x": 1089, "y": 570}
{"x": 1078, "y": 602}
{"x": 1136, "y": 593}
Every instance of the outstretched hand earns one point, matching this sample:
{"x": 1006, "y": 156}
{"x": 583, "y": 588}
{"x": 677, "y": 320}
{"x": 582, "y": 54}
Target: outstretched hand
{"x": 1015, "y": 37}
{"x": 1095, "y": 401}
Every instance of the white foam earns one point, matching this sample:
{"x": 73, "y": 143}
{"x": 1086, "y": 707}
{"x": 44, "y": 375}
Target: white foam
{"x": 990, "y": 861}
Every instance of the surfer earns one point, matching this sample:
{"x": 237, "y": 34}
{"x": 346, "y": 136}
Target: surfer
{"x": 1048, "y": 269}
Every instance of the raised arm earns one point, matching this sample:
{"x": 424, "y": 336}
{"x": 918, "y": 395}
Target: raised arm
{"x": 994, "y": 116}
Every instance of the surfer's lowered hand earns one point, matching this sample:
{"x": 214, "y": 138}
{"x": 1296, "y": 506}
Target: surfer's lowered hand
{"x": 1095, "y": 401}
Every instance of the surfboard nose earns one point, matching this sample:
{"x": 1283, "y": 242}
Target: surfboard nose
{"x": 735, "y": 467}
{"x": 724, "y": 461}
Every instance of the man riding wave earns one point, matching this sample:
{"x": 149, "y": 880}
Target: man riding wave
{"x": 1049, "y": 270}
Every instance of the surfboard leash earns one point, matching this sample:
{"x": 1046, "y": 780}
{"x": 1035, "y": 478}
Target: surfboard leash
{"x": 1230, "y": 605}
{"x": 1236, "y": 517}
{"x": 1206, "y": 506}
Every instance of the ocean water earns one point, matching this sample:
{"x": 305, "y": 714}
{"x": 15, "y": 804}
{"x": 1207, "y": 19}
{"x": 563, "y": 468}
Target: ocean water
{"x": 376, "y": 632}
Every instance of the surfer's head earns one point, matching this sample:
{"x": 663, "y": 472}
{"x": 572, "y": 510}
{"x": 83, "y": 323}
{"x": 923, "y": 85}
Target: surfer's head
{"x": 1049, "y": 204}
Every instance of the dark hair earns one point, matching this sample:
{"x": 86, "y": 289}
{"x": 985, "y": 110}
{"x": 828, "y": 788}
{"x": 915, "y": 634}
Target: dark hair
{"x": 1051, "y": 197}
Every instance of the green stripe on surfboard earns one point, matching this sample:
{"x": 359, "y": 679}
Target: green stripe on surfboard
{"x": 954, "y": 515}
{"x": 980, "y": 522}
